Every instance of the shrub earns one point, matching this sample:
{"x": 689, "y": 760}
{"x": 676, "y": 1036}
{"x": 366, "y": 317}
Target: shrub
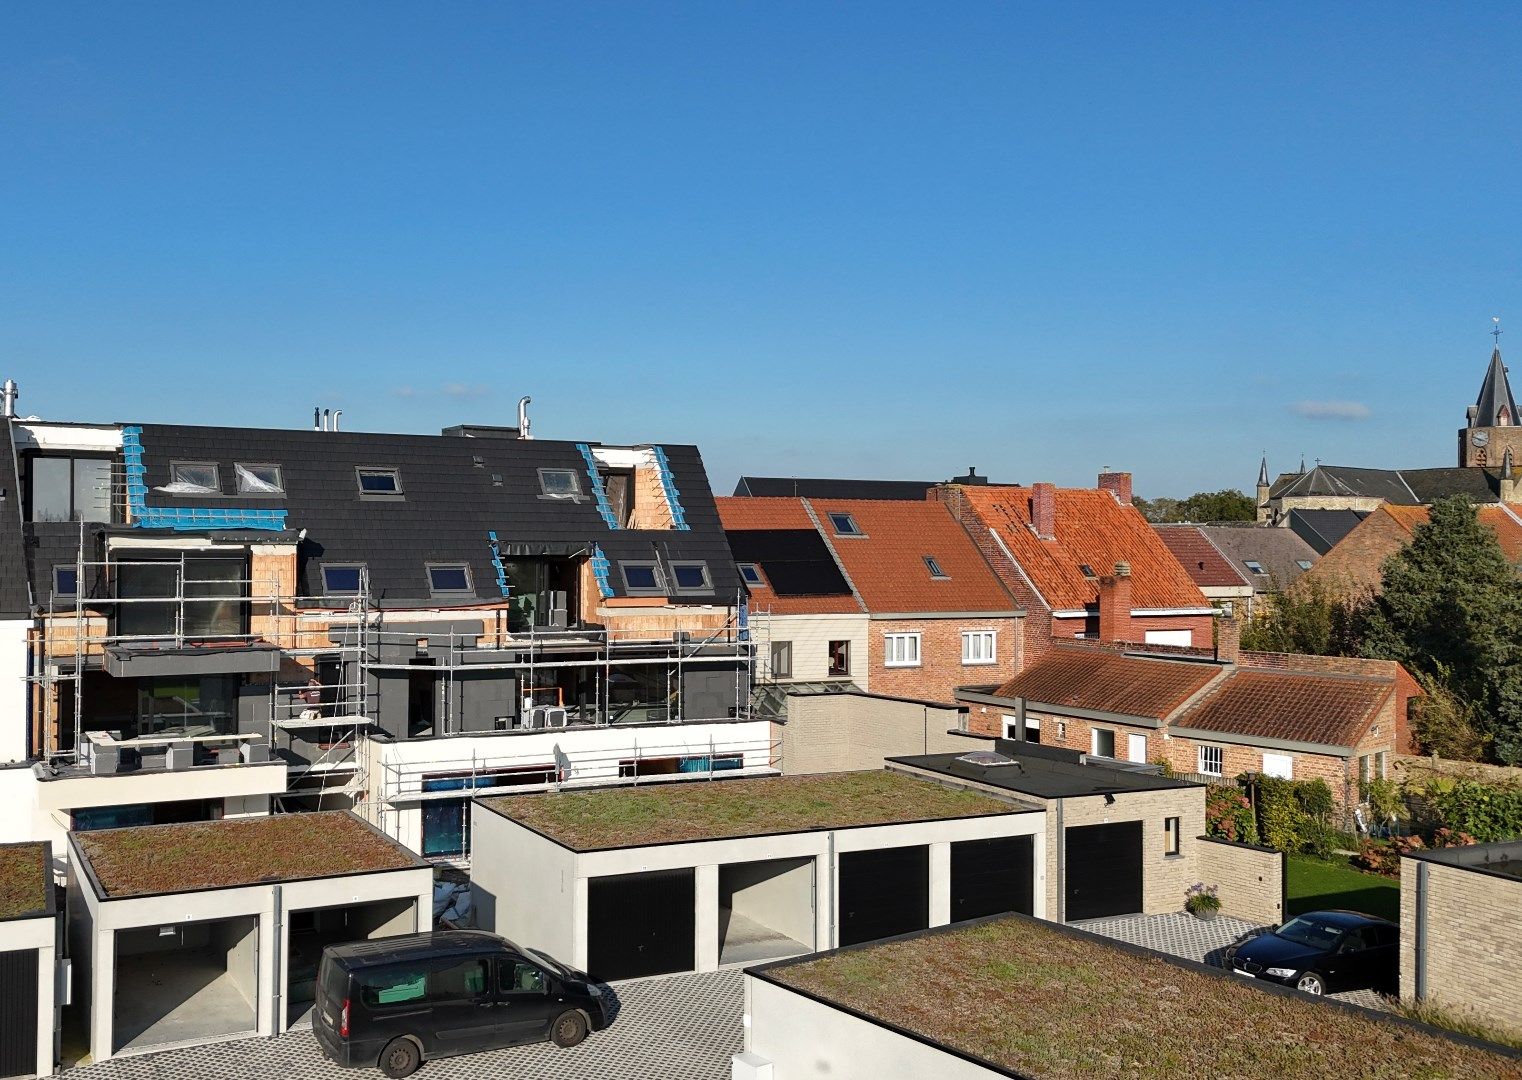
{"x": 1201, "y": 897}
{"x": 1486, "y": 811}
{"x": 1279, "y": 815}
{"x": 1383, "y": 796}
{"x": 1315, "y": 798}
{"x": 1384, "y": 858}
{"x": 1228, "y": 815}
{"x": 1318, "y": 839}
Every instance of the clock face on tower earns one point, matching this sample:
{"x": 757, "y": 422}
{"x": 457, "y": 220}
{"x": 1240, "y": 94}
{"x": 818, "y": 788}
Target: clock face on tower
{"x": 1480, "y": 438}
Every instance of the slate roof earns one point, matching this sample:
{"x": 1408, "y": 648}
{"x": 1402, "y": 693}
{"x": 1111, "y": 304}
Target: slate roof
{"x": 800, "y": 576}
{"x": 1094, "y": 529}
{"x": 1207, "y": 567}
{"x": 1495, "y": 396}
{"x": 1105, "y": 681}
{"x": 887, "y": 563}
{"x": 818, "y": 488}
{"x": 1323, "y": 529}
{"x": 1402, "y": 487}
{"x": 1278, "y": 551}
{"x": 451, "y": 499}
{"x": 1429, "y": 485}
{"x": 15, "y": 597}
{"x": 1327, "y": 710}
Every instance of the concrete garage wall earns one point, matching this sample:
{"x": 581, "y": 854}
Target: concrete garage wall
{"x": 40, "y": 934}
{"x": 1467, "y": 940}
{"x": 805, "y": 1039}
{"x": 1250, "y": 878}
{"x": 1164, "y": 877}
{"x": 775, "y": 894}
{"x": 525, "y": 887}
{"x": 853, "y": 732}
{"x": 239, "y": 940}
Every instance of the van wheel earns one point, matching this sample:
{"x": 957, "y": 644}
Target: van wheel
{"x": 400, "y": 1058}
{"x": 569, "y": 1029}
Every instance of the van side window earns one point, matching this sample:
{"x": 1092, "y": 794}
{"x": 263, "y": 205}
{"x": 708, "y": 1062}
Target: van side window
{"x": 461, "y": 980}
{"x": 521, "y": 977}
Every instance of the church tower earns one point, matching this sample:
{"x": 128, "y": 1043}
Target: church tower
{"x": 1265, "y": 514}
{"x": 1493, "y": 424}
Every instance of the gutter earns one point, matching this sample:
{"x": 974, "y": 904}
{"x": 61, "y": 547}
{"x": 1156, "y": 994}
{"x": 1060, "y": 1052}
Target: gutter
{"x": 1236, "y": 739}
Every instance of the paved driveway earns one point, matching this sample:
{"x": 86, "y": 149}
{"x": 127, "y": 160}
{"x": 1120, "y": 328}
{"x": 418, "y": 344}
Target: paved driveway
{"x": 1181, "y": 934}
{"x": 683, "y": 1028}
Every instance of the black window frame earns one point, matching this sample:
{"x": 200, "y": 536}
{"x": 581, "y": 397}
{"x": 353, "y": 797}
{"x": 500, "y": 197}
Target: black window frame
{"x": 249, "y": 466}
{"x": 1173, "y": 829}
{"x": 394, "y": 471}
{"x": 642, "y": 590}
{"x": 853, "y": 527}
{"x": 29, "y": 462}
{"x": 569, "y": 496}
{"x": 214, "y": 488}
{"x": 937, "y": 573}
{"x": 438, "y": 592}
{"x": 678, "y": 565}
{"x": 359, "y": 586}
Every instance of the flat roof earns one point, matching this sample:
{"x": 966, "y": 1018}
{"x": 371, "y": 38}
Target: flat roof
{"x": 1499, "y": 859}
{"x": 1042, "y": 777}
{"x": 1047, "y": 1002}
{"x": 150, "y": 860}
{"x": 25, "y": 881}
{"x": 674, "y": 813}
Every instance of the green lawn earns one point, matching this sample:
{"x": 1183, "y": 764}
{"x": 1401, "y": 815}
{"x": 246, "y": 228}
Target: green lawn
{"x": 1317, "y": 884}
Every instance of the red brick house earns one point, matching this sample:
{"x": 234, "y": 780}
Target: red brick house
{"x": 1083, "y": 563}
{"x": 1213, "y": 714}
{"x": 936, "y": 615}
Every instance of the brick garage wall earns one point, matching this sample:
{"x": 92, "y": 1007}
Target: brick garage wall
{"x": 941, "y": 669}
{"x": 1164, "y": 877}
{"x": 852, "y": 732}
{"x": 1473, "y": 925}
{"x": 1250, "y": 879}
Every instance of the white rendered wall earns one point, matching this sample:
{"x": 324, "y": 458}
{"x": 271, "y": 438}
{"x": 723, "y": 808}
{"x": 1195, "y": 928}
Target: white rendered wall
{"x": 523, "y": 886}
{"x": 810, "y": 636}
{"x": 14, "y": 736}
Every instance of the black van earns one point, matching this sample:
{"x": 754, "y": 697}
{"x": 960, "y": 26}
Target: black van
{"x": 396, "y": 1002}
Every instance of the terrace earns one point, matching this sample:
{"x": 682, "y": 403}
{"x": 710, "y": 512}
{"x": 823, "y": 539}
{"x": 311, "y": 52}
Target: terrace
{"x": 1076, "y": 998}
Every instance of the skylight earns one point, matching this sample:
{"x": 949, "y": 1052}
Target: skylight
{"x": 193, "y": 478}
{"x": 935, "y": 568}
{"x": 1086, "y": 570}
{"x": 845, "y": 525}
{"x": 751, "y": 573}
{"x": 342, "y": 579}
{"x": 65, "y": 581}
{"x": 449, "y": 579}
{"x": 258, "y": 479}
{"x": 560, "y": 483}
{"x": 1253, "y": 565}
{"x": 690, "y": 576}
{"x": 378, "y": 481}
{"x": 1304, "y": 564}
{"x": 641, "y": 577}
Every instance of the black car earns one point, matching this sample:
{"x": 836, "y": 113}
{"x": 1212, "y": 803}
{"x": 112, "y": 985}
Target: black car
{"x": 1322, "y": 952}
{"x": 397, "y": 1002}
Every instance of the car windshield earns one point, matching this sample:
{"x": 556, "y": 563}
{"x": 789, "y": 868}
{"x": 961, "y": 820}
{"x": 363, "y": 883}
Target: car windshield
{"x": 1312, "y": 932}
{"x": 545, "y": 961}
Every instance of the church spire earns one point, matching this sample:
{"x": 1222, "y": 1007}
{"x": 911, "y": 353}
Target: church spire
{"x": 1263, "y": 471}
{"x": 1495, "y": 406}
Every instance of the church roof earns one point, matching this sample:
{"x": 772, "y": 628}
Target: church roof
{"x": 1495, "y": 396}
{"x": 1400, "y": 487}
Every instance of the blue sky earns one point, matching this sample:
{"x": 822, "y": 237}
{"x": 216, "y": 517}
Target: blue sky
{"x": 886, "y": 240}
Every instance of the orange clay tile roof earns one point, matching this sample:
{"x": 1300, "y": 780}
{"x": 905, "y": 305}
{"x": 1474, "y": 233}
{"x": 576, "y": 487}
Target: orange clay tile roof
{"x": 1328, "y": 710}
{"x": 1204, "y": 564}
{"x": 744, "y": 514}
{"x": 887, "y": 563}
{"x": 1089, "y": 678}
{"x": 1091, "y": 528}
{"x": 1507, "y": 528}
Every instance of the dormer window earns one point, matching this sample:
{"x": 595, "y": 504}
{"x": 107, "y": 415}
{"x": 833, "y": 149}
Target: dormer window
{"x": 935, "y": 569}
{"x": 379, "y": 483}
{"x": 844, "y": 525}
{"x": 193, "y": 478}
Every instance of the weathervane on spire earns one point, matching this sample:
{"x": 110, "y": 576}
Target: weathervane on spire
{"x": 1496, "y": 330}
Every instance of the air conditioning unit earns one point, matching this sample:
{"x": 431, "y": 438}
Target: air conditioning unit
{"x": 536, "y": 717}
{"x": 554, "y": 716}
{"x": 254, "y": 753}
{"x": 179, "y": 756}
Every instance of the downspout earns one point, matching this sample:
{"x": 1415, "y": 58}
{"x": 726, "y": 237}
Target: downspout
{"x": 834, "y": 895}
{"x": 1421, "y": 930}
{"x": 278, "y": 1020}
{"x": 1062, "y": 862}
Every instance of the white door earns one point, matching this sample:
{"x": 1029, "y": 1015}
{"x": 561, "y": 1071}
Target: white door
{"x": 1280, "y": 765}
{"x": 1136, "y": 748}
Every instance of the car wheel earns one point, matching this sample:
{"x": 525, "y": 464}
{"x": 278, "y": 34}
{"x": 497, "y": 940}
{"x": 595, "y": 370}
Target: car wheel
{"x": 568, "y": 1029}
{"x": 400, "y": 1058}
{"x": 1311, "y": 983}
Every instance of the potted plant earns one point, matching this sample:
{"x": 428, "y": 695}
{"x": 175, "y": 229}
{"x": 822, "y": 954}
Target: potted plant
{"x": 1201, "y": 901}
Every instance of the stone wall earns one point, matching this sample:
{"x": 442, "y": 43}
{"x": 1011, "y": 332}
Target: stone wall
{"x": 851, "y": 732}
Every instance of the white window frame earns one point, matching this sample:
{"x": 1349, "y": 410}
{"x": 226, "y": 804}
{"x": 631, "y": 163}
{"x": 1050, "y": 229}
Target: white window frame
{"x": 1217, "y": 753}
{"x": 1131, "y": 737}
{"x": 1094, "y": 734}
{"x": 898, "y": 647}
{"x": 970, "y": 657}
{"x": 1283, "y": 766}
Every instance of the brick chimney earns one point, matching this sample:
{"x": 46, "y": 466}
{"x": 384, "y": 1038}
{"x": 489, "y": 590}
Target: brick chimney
{"x": 1119, "y": 483}
{"x": 1044, "y": 510}
{"x": 1115, "y": 605}
{"x": 1228, "y": 639}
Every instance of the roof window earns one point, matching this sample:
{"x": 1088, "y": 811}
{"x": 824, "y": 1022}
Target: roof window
{"x": 935, "y": 568}
{"x": 258, "y": 479}
{"x": 751, "y": 573}
{"x": 1086, "y": 570}
{"x": 342, "y": 579}
{"x": 641, "y": 578}
{"x": 65, "y": 581}
{"x": 1304, "y": 564}
{"x": 379, "y": 482}
{"x": 449, "y": 579}
{"x": 691, "y": 577}
{"x": 1253, "y": 565}
{"x": 560, "y": 483}
{"x": 193, "y": 478}
{"x": 845, "y": 525}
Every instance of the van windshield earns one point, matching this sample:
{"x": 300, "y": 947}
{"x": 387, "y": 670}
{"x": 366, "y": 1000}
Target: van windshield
{"x": 547, "y": 961}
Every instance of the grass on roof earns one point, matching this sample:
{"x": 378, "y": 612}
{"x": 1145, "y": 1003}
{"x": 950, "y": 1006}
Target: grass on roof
{"x": 24, "y": 881}
{"x": 1056, "y": 1007}
{"x": 147, "y": 860}
{"x": 670, "y": 813}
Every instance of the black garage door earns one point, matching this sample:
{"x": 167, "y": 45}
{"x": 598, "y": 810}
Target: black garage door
{"x": 640, "y": 924}
{"x": 990, "y": 877}
{"x": 1104, "y": 870}
{"x": 883, "y": 892}
{"x": 18, "y": 1013}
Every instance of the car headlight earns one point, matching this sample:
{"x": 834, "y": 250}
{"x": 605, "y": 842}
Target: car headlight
{"x": 1281, "y": 973}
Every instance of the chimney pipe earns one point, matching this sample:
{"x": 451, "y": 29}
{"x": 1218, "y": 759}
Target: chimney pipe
{"x": 1117, "y": 484}
{"x": 8, "y": 395}
{"x": 325, "y": 419}
{"x": 523, "y": 430}
{"x": 1115, "y": 605}
{"x": 1044, "y": 510}
{"x": 1228, "y": 639}
{"x": 316, "y": 417}
{"x": 336, "y": 414}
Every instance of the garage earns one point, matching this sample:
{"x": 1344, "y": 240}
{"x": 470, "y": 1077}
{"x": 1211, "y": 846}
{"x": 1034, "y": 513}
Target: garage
{"x": 993, "y": 876}
{"x": 185, "y": 982}
{"x": 766, "y": 910}
{"x": 18, "y": 1013}
{"x": 883, "y": 893}
{"x": 313, "y": 929}
{"x": 28, "y": 960}
{"x": 1104, "y": 870}
{"x": 640, "y": 924}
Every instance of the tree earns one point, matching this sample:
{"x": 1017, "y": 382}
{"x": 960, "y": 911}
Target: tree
{"x": 1308, "y": 618}
{"x": 1450, "y": 610}
{"x": 1158, "y": 510}
{"x": 1228, "y": 505}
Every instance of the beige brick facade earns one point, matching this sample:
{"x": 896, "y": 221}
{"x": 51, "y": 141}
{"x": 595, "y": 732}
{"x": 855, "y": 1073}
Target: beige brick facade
{"x": 1472, "y": 929}
{"x": 1164, "y": 877}
{"x": 851, "y": 732}
{"x": 1249, "y": 879}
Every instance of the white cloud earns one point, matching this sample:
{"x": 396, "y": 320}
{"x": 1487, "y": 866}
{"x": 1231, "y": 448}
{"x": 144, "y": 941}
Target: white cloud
{"x": 461, "y": 390}
{"x": 404, "y": 391}
{"x": 1331, "y": 410}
